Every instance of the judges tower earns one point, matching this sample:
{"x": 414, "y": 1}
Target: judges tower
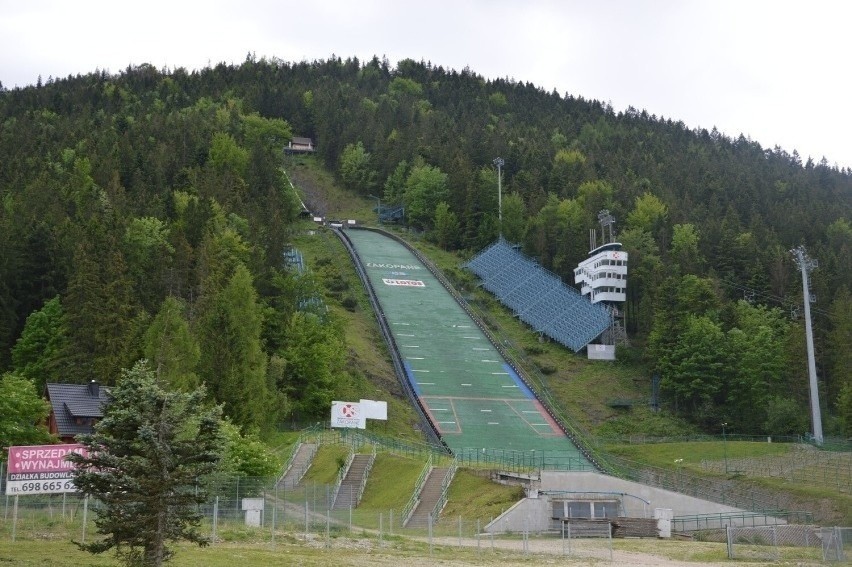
{"x": 603, "y": 277}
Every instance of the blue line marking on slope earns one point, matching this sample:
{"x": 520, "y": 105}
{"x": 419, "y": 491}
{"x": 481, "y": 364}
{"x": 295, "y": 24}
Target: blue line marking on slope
{"x": 520, "y": 383}
{"x": 411, "y": 379}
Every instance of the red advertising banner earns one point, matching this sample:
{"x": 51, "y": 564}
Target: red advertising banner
{"x": 41, "y": 469}
{"x": 404, "y": 283}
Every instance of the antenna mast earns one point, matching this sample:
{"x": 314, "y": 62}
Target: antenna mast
{"x": 606, "y": 220}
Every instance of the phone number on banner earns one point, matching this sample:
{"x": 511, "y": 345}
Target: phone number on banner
{"x": 40, "y": 486}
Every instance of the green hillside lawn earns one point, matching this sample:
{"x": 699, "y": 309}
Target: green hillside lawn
{"x": 364, "y": 552}
{"x": 391, "y": 482}
{"x": 474, "y": 497}
{"x": 834, "y": 505}
{"x": 326, "y": 464}
{"x": 665, "y": 455}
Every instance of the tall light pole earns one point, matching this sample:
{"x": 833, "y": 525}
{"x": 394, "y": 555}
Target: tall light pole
{"x": 498, "y": 161}
{"x": 807, "y": 264}
{"x": 725, "y": 445}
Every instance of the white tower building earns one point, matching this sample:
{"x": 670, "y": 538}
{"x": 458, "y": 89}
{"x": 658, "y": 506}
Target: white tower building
{"x": 603, "y": 275}
{"x": 603, "y": 278}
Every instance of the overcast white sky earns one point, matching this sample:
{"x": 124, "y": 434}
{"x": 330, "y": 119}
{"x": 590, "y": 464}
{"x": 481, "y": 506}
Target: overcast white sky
{"x": 777, "y": 71}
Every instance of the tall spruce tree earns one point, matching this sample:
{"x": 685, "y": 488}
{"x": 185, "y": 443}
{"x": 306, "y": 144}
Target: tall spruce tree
{"x": 233, "y": 363}
{"x": 144, "y": 464}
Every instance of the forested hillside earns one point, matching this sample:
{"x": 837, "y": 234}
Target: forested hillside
{"x": 146, "y": 213}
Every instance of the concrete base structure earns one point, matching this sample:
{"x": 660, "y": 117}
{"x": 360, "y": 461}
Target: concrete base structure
{"x": 535, "y": 513}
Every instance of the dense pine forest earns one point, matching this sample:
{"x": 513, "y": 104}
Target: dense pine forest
{"x": 145, "y": 214}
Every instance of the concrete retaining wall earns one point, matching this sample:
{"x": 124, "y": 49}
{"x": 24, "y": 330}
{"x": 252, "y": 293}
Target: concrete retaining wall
{"x": 639, "y": 501}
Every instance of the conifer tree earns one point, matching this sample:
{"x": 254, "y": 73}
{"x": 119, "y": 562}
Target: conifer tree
{"x": 232, "y": 362}
{"x": 144, "y": 464}
{"x": 171, "y": 348}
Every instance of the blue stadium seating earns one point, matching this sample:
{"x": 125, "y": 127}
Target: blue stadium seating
{"x": 538, "y": 297}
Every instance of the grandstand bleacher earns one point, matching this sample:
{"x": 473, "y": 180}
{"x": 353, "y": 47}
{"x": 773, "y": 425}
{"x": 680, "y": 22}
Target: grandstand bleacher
{"x": 538, "y": 297}
{"x": 293, "y": 259}
{"x": 390, "y": 213}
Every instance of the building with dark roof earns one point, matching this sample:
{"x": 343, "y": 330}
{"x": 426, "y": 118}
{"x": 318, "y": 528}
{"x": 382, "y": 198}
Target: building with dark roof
{"x": 299, "y": 145}
{"x": 75, "y": 408}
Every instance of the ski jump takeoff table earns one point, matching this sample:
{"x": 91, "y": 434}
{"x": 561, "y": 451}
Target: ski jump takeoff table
{"x": 475, "y": 399}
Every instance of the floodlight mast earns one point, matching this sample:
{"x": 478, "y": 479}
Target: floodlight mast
{"x": 806, "y": 265}
{"x": 499, "y": 162}
{"x": 606, "y": 220}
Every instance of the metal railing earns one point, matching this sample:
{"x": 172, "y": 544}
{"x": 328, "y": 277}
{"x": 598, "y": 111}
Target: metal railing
{"x": 445, "y": 489}
{"x": 341, "y": 474}
{"x": 722, "y": 491}
{"x": 366, "y": 475}
{"x": 807, "y": 466}
{"x": 697, "y": 438}
{"x": 408, "y": 510}
{"x": 510, "y": 460}
{"x": 752, "y": 519}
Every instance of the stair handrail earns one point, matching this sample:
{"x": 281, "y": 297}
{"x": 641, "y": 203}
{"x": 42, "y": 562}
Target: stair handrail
{"x": 445, "y": 489}
{"x": 367, "y": 470}
{"x": 341, "y": 474}
{"x": 408, "y": 510}
{"x": 309, "y": 460}
{"x": 288, "y": 464}
{"x": 293, "y": 452}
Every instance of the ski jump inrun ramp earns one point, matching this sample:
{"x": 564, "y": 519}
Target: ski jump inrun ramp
{"x": 474, "y": 398}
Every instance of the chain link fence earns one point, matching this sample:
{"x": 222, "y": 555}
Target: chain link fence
{"x": 254, "y": 510}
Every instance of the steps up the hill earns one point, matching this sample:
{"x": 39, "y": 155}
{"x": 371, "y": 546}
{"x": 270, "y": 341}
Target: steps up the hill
{"x": 349, "y": 492}
{"x": 298, "y": 466}
{"x": 429, "y": 496}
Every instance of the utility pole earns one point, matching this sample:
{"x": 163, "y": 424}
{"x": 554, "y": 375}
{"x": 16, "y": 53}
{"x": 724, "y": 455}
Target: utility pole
{"x": 807, "y": 264}
{"x": 498, "y": 161}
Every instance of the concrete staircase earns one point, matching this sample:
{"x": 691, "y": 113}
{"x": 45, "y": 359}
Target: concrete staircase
{"x": 429, "y": 496}
{"x": 348, "y": 494}
{"x": 298, "y": 466}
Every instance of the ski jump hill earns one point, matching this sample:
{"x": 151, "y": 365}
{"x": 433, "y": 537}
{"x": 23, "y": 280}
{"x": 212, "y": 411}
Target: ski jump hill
{"x": 473, "y": 401}
{"x": 470, "y": 398}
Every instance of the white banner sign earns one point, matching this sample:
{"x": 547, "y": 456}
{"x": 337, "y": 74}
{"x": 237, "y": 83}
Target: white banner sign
{"x": 373, "y": 409}
{"x": 348, "y": 414}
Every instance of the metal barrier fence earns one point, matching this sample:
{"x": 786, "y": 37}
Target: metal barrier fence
{"x": 836, "y": 544}
{"x": 720, "y": 520}
{"x": 804, "y": 465}
{"x": 753, "y": 543}
{"x": 765, "y": 543}
{"x": 305, "y": 515}
{"x": 830, "y": 444}
{"x": 723, "y": 491}
{"x": 522, "y": 461}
